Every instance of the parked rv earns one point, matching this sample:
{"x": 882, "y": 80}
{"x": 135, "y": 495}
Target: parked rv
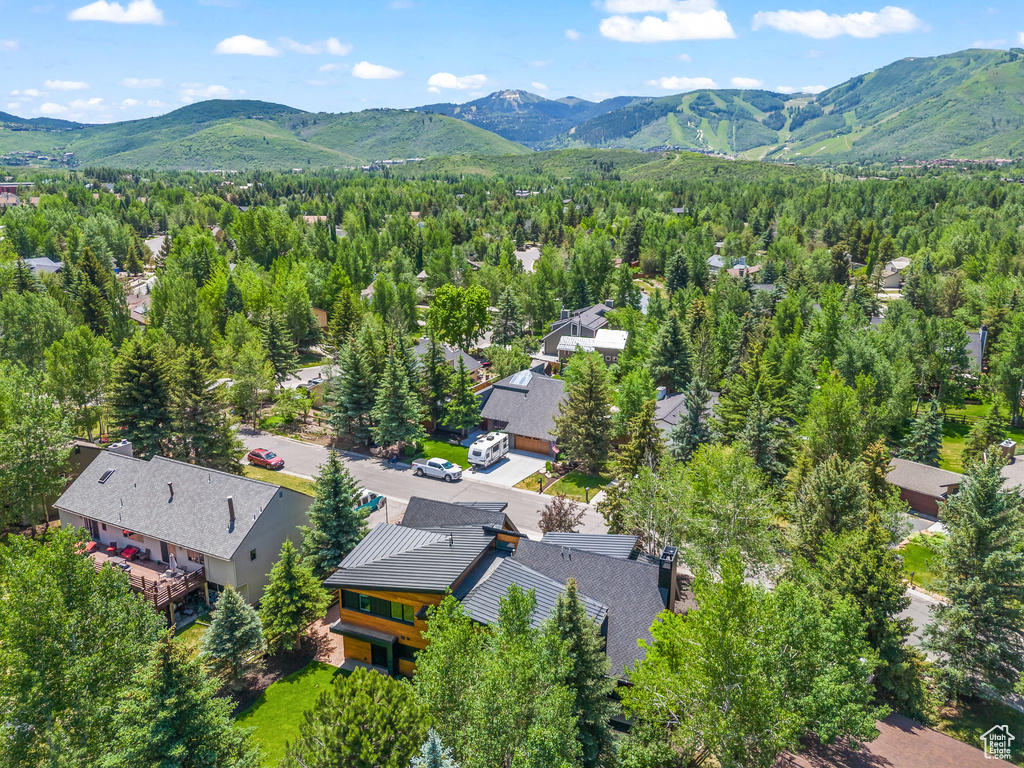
{"x": 488, "y": 449}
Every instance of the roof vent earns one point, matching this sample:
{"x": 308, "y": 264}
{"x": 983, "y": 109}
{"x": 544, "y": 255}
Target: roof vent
{"x": 106, "y": 476}
{"x": 170, "y": 488}
{"x": 231, "y": 509}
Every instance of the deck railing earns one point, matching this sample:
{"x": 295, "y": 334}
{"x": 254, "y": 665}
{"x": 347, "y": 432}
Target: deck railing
{"x": 163, "y": 592}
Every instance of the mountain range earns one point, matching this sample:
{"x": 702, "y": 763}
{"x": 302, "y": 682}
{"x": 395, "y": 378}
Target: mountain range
{"x": 968, "y": 104}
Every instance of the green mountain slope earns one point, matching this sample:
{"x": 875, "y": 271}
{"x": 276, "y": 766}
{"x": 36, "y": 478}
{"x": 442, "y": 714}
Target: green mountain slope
{"x": 245, "y": 134}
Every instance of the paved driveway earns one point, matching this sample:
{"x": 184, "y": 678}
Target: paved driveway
{"x": 510, "y": 470}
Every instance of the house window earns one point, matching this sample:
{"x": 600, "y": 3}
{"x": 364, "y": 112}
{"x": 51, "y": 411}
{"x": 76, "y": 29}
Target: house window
{"x": 104, "y": 525}
{"x": 136, "y": 537}
{"x": 252, "y": 554}
{"x": 375, "y": 606}
{"x": 195, "y": 557}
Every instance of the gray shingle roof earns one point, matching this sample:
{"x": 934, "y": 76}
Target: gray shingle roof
{"x": 976, "y": 347}
{"x": 482, "y": 602}
{"x": 922, "y": 478}
{"x": 43, "y": 264}
{"x": 622, "y": 546}
{"x": 136, "y": 498}
{"x": 528, "y": 409}
{"x": 427, "y": 513}
{"x": 592, "y": 318}
{"x": 451, "y": 354}
{"x": 671, "y": 409}
{"x": 407, "y": 559}
{"x": 628, "y": 587}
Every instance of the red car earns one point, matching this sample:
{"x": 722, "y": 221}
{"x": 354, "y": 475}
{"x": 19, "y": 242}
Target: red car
{"x": 261, "y": 457}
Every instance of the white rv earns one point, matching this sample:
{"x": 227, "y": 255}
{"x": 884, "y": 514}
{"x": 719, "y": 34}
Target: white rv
{"x": 488, "y": 449}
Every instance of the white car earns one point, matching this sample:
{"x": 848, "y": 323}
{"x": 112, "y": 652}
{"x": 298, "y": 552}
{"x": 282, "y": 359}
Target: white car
{"x": 439, "y": 468}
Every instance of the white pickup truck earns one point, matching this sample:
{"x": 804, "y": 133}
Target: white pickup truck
{"x": 439, "y": 468}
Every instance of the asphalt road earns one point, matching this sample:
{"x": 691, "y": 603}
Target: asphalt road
{"x": 399, "y": 484}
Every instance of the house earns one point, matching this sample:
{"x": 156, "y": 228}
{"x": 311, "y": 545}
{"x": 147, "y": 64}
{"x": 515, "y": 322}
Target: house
{"x": 43, "y": 264}
{"x": 221, "y": 529}
{"x": 583, "y": 322}
{"x": 524, "y": 405}
{"x": 892, "y": 273}
{"x": 451, "y": 355}
{"x": 716, "y": 263}
{"x": 742, "y": 270}
{"x": 976, "y": 343}
{"x": 669, "y": 410}
{"x": 321, "y": 318}
{"x": 608, "y": 343}
{"x": 388, "y": 582}
{"x": 921, "y": 486}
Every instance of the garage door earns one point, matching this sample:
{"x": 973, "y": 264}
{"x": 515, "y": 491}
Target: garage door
{"x": 533, "y": 445}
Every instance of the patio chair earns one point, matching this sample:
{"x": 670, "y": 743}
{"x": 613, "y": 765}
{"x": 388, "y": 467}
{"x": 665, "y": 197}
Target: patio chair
{"x": 130, "y": 552}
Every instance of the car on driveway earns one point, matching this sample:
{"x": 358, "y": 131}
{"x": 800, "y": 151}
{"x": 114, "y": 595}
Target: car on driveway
{"x": 261, "y": 457}
{"x": 439, "y": 468}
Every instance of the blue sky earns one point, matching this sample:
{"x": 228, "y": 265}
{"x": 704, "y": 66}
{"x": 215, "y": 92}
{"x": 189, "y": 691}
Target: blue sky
{"x": 104, "y": 61}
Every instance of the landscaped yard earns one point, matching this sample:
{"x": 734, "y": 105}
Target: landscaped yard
{"x": 531, "y": 483}
{"x": 300, "y": 484}
{"x": 921, "y": 558}
{"x": 276, "y": 715}
{"x": 975, "y": 716}
{"x": 576, "y": 484}
{"x": 439, "y": 449}
{"x": 954, "y": 435}
{"x": 191, "y": 637}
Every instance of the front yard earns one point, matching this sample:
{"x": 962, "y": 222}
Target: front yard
{"x": 276, "y": 715}
{"x": 578, "y": 485}
{"x": 300, "y": 484}
{"x": 439, "y": 449}
{"x": 954, "y": 435}
{"x": 921, "y": 558}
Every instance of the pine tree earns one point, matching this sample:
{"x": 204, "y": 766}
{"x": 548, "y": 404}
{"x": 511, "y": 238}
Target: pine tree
{"x": 293, "y": 598}
{"x": 757, "y": 376}
{"x": 831, "y": 499}
{"x": 252, "y": 381}
{"x": 462, "y": 411}
{"x": 766, "y": 439}
{"x": 93, "y": 284}
{"x": 203, "y": 433}
{"x": 365, "y": 720}
{"x": 346, "y": 315}
{"x": 234, "y": 303}
{"x": 336, "y": 527}
{"x": 139, "y": 396}
{"x": 396, "y": 411}
{"x": 984, "y": 436}
{"x": 688, "y": 435}
{"x": 583, "y": 427}
{"x": 433, "y": 754}
{"x": 676, "y": 271}
{"x": 437, "y": 377}
{"x": 165, "y": 251}
{"x": 508, "y": 325}
{"x": 353, "y": 392}
{"x": 645, "y": 447}
{"x": 977, "y": 635}
{"x": 234, "y": 643}
{"x": 669, "y": 356}
{"x": 586, "y": 675}
{"x": 173, "y": 718}
{"x": 132, "y": 262}
{"x": 635, "y": 390}
{"x": 627, "y": 292}
{"x": 279, "y": 345}
{"x": 924, "y": 440}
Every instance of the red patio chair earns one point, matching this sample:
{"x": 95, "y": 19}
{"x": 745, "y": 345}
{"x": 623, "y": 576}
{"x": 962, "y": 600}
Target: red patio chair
{"x": 129, "y": 552}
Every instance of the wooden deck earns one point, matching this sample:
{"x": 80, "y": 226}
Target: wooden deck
{"x": 149, "y": 581}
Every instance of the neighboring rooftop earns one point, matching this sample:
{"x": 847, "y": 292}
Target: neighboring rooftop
{"x": 135, "y": 496}
{"x": 671, "y": 409}
{"x": 621, "y": 546}
{"x": 591, "y": 318}
{"x": 922, "y": 478}
{"x": 527, "y": 402}
{"x": 451, "y": 354}
{"x": 43, "y": 264}
{"x": 605, "y": 338}
{"x": 427, "y": 513}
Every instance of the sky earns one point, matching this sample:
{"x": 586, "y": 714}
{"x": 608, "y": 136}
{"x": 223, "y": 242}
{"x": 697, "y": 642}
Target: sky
{"x": 107, "y": 61}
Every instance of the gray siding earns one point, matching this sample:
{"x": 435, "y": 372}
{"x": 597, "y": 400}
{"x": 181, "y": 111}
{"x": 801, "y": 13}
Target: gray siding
{"x": 279, "y": 521}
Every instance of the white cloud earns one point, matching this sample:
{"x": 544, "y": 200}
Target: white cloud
{"x": 747, "y": 82}
{"x": 997, "y": 43}
{"x": 142, "y": 82}
{"x": 331, "y": 45}
{"x": 49, "y": 108}
{"x": 191, "y": 92}
{"x": 136, "y": 12}
{"x": 13, "y": 105}
{"x": 452, "y": 82}
{"x": 290, "y": 45}
{"x": 127, "y": 103}
{"x": 813, "y": 88}
{"x": 786, "y": 89}
{"x": 364, "y": 70}
{"x": 154, "y": 103}
{"x": 28, "y": 93}
{"x": 316, "y": 83}
{"x": 66, "y": 85}
{"x": 333, "y": 67}
{"x": 683, "y": 83}
{"x": 538, "y": 86}
{"x": 243, "y": 45}
{"x": 433, "y": 89}
{"x": 685, "y": 57}
{"x": 336, "y": 48}
{"x": 683, "y": 20}
{"x": 821, "y": 25}
{"x": 1020, "y": 38}
{"x": 572, "y": 34}
{"x": 8, "y": 45}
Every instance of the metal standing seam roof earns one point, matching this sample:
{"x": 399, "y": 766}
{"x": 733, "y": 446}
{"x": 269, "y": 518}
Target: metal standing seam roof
{"x": 621, "y": 546}
{"x": 529, "y": 409}
{"x": 136, "y": 497}
{"x": 483, "y": 601}
{"x": 402, "y": 559}
{"x": 922, "y": 478}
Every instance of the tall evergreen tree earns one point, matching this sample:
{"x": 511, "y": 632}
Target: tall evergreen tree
{"x": 174, "y": 719}
{"x": 636, "y": 388}
{"x": 645, "y": 447}
{"x": 396, "y": 411}
{"x": 924, "y": 440}
{"x": 462, "y": 411}
{"x": 234, "y": 643}
{"x": 693, "y": 431}
{"x": 139, "y": 397}
{"x": 433, "y": 754}
{"x": 165, "y": 251}
{"x": 203, "y": 433}
{"x": 676, "y": 271}
{"x": 346, "y": 315}
{"x": 757, "y": 376}
{"x": 336, "y": 525}
{"x": 582, "y": 426}
{"x": 978, "y": 634}
{"x": 766, "y": 439}
{"x": 831, "y": 499}
{"x": 669, "y": 356}
{"x": 279, "y": 344}
{"x": 353, "y": 391}
{"x": 437, "y": 378}
{"x": 252, "y": 381}
{"x": 985, "y": 435}
{"x": 234, "y": 303}
{"x": 293, "y": 598}
{"x": 586, "y": 675}
{"x": 508, "y": 324}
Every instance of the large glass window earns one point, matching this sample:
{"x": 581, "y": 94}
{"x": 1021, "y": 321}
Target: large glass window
{"x": 376, "y": 606}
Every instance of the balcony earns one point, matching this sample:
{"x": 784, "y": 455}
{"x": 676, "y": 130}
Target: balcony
{"x": 151, "y": 581}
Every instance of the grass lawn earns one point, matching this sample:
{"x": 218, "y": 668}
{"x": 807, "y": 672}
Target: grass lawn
{"x": 530, "y": 483}
{"x": 191, "y": 637}
{"x": 300, "y": 484}
{"x": 921, "y": 559}
{"x": 976, "y": 716}
{"x": 576, "y": 483}
{"x": 310, "y": 360}
{"x": 954, "y": 435}
{"x": 277, "y": 713}
{"x": 439, "y": 449}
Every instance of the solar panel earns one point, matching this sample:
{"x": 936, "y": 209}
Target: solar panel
{"x": 521, "y": 379}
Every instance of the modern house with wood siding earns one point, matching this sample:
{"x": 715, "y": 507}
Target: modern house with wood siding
{"x": 388, "y": 582}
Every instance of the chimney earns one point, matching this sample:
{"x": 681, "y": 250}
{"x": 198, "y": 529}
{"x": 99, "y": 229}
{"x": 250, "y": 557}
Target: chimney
{"x": 565, "y": 314}
{"x": 170, "y": 488}
{"x": 610, "y": 303}
{"x": 667, "y": 582}
{"x": 659, "y": 393}
{"x": 231, "y": 509}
